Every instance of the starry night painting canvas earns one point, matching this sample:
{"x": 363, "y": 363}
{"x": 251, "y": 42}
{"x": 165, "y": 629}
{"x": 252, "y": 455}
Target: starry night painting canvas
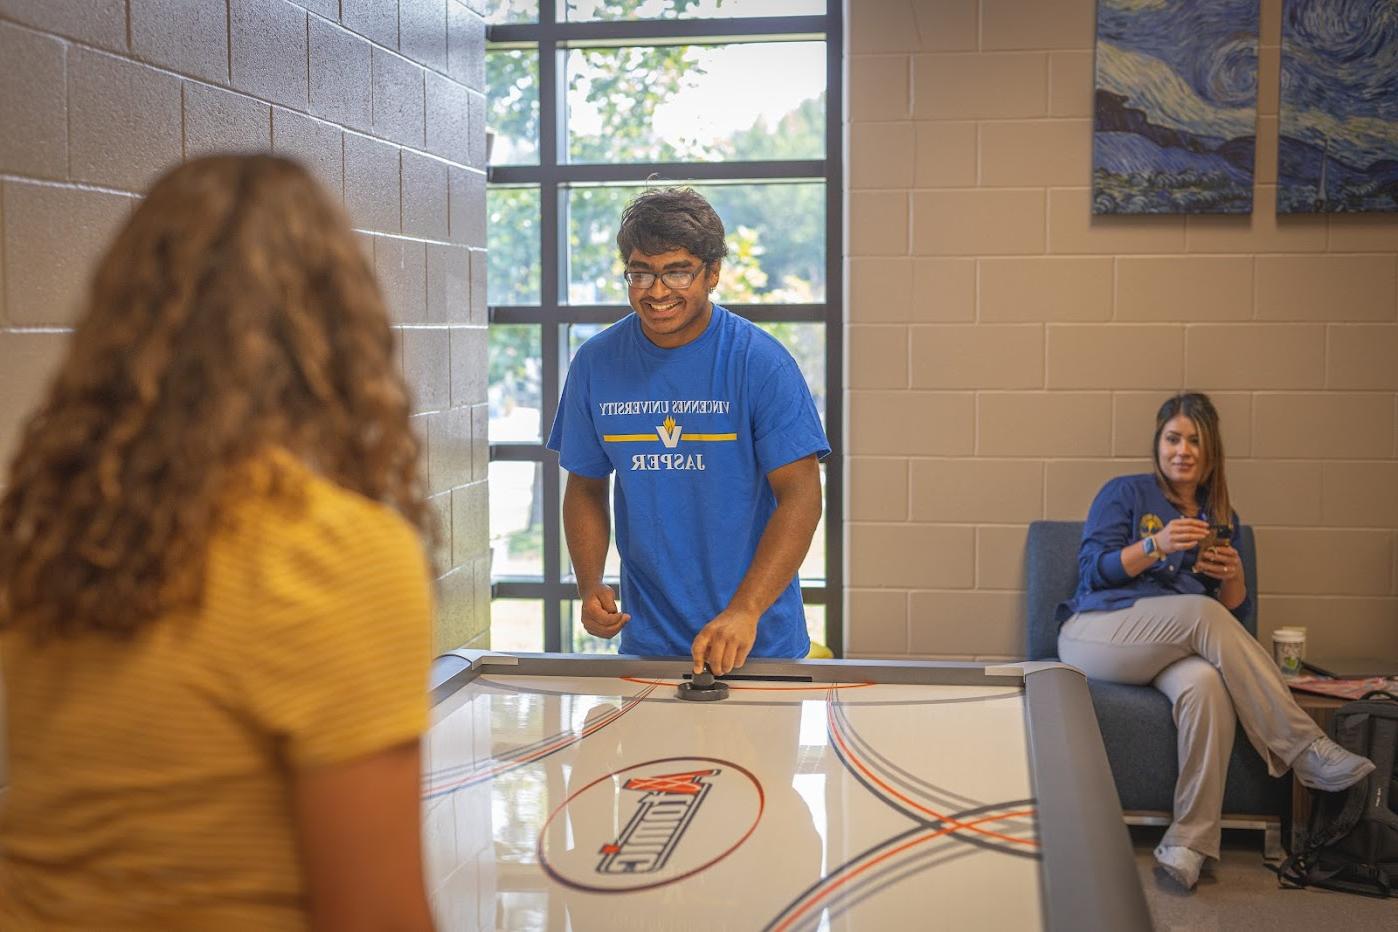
{"x": 1175, "y": 123}
{"x": 1338, "y": 146}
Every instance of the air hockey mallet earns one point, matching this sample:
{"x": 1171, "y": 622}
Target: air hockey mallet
{"x": 703, "y": 688}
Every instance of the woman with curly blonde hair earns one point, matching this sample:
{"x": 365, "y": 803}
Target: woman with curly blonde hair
{"x": 214, "y": 600}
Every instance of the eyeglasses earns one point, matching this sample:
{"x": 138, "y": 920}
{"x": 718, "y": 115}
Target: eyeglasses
{"x": 677, "y": 278}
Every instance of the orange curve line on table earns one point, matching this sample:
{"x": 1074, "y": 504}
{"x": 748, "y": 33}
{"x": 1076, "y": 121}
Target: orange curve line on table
{"x": 842, "y": 879}
{"x": 564, "y": 740}
{"x": 940, "y": 817}
{"x": 735, "y": 686}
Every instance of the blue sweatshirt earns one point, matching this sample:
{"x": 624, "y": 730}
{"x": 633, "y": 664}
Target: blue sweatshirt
{"x": 1128, "y": 509}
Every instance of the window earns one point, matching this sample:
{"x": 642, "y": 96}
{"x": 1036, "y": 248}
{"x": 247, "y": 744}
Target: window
{"x": 587, "y": 101}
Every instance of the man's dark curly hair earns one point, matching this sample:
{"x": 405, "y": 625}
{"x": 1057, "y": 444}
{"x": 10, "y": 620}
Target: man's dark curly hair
{"x": 664, "y": 219}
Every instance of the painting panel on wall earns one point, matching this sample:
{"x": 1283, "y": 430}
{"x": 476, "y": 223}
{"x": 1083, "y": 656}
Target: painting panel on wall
{"x": 1175, "y": 128}
{"x": 1338, "y": 145}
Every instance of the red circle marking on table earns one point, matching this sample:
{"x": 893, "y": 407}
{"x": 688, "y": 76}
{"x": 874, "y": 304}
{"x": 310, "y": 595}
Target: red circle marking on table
{"x": 590, "y": 888}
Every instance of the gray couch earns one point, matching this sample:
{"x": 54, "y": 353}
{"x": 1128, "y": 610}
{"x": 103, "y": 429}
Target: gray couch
{"x": 1137, "y": 726}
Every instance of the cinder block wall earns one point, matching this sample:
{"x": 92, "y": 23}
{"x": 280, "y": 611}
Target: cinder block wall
{"x": 383, "y": 99}
{"x": 1007, "y": 350}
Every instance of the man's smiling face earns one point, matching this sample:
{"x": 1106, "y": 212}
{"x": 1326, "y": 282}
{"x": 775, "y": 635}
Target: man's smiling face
{"x": 672, "y": 316}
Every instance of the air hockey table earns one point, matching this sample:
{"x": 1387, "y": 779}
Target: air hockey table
{"x": 577, "y": 792}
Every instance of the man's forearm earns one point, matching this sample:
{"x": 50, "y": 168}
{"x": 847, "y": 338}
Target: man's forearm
{"x": 780, "y": 550}
{"x": 587, "y": 528}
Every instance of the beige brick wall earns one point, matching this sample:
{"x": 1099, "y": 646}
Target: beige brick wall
{"x": 1007, "y": 350}
{"x": 383, "y": 99}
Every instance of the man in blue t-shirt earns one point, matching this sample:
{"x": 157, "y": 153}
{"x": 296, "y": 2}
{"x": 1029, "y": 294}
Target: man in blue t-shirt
{"x": 714, "y": 439}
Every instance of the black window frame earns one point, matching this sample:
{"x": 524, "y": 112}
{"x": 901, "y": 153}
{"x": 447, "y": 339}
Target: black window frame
{"x": 553, "y": 175}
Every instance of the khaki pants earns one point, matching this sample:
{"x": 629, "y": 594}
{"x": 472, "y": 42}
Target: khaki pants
{"x": 1194, "y": 651}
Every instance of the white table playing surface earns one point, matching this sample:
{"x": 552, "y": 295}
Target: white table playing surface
{"x": 562, "y": 802}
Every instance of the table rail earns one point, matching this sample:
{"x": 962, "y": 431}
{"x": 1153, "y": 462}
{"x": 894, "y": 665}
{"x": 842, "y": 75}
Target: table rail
{"x": 1090, "y": 880}
{"x": 456, "y": 668}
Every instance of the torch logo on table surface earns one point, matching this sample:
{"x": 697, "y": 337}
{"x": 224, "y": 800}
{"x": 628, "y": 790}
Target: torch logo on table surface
{"x": 666, "y": 808}
{"x": 661, "y": 838}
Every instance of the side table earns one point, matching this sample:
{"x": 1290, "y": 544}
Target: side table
{"x": 1322, "y": 709}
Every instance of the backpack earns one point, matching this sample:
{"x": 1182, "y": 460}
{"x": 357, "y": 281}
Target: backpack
{"x": 1351, "y": 841}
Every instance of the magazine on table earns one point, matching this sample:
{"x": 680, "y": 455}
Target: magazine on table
{"x": 1343, "y": 689}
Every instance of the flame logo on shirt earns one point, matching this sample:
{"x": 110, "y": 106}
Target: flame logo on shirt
{"x": 669, "y": 433}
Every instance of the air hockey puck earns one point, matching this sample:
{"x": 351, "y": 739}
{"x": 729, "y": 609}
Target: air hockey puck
{"x": 703, "y": 688}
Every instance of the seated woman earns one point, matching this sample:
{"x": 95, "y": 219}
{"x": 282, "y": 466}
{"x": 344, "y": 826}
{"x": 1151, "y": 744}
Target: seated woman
{"x": 1155, "y": 604}
{"x": 215, "y": 604}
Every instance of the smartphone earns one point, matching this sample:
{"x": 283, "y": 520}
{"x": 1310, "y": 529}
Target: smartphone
{"x": 1219, "y": 535}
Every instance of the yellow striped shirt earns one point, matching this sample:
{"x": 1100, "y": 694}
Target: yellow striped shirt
{"x": 149, "y": 777}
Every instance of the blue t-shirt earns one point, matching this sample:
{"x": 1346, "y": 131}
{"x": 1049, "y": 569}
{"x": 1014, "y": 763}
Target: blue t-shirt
{"x": 692, "y": 433}
{"x": 1128, "y": 509}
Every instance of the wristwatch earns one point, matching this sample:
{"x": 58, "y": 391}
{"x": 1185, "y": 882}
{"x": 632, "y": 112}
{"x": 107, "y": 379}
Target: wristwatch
{"x": 1148, "y": 545}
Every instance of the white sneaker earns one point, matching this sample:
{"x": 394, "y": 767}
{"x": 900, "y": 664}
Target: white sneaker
{"x": 1327, "y": 766}
{"x": 1181, "y": 863}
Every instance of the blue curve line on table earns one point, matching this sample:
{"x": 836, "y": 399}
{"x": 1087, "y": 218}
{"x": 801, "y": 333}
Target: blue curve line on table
{"x": 907, "y": 867}
{"x": 850, "y": 735}
{"x": 910, "y": 782}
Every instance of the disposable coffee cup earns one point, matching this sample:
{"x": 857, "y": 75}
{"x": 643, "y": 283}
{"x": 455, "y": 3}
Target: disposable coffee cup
{"x": 1288, "y": 646}
{"x": 1302, "y": 630}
